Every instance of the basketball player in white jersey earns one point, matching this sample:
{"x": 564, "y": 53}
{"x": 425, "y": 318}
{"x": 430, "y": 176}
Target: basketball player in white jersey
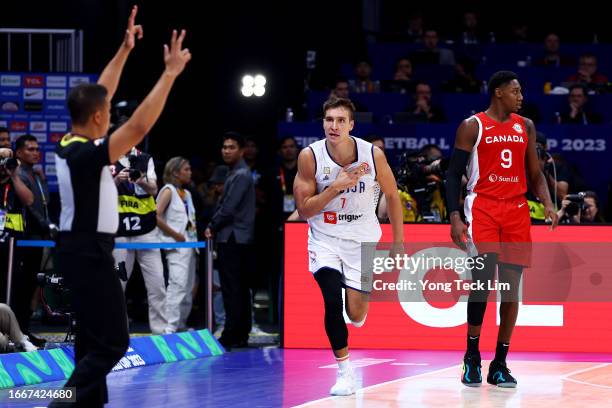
{"x": 336, "y": 189}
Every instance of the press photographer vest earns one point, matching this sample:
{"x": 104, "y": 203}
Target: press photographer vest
{"x": 10, "y": 211}
{"x": 137, "y": 212}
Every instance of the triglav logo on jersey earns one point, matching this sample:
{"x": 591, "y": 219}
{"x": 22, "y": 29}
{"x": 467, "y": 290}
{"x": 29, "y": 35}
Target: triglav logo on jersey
{"x": 518, "y": 128}
{"x": 331, "y": 217}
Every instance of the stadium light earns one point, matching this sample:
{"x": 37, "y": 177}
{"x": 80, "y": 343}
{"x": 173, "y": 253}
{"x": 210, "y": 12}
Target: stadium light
{"x": 253, "y": 85}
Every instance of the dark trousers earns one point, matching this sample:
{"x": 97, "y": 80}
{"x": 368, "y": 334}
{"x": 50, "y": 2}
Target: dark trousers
{"x": 234, "y": 272}
{"x": 25, "y": 282}
{"x": 102, "y": 336}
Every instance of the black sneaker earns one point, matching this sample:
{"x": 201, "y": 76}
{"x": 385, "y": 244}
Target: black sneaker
{"x": 470, "y": 373}
{"x": 499, "y": 375}
{"x": 37, "y": 341}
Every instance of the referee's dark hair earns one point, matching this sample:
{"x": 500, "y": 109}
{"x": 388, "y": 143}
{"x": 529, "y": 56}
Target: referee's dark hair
{"x": 21, "y": 141}
{"x": 235, "y": 136}
{"x": 498, "y": 79}
{"x": 84, "y": 100}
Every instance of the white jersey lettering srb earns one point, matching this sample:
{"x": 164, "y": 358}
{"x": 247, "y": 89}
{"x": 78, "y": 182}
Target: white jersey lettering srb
{"x": 351, "y": 214}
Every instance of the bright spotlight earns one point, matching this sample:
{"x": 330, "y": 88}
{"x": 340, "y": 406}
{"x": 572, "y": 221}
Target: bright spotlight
{"x": 248, "y": 81}
{"x": 259, "y": 90}
{"x": 260, "y": 80}
{"x": 247, "y": 91}
{"x": 253, "y": 85}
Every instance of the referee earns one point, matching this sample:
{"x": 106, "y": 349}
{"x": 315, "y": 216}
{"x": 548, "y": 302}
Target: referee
{"x": 89, "y": 216}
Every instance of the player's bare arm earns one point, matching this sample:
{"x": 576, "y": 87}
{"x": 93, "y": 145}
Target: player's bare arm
{"x": 387, "y": 183}
{"x": 307, "y": 201}
{"x": 537, "y": 180}
{"x": 467, "y": 132}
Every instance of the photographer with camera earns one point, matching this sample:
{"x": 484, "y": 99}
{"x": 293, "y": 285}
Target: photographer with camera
{"x": 580, "y": 208}
{"x": 421, "y": 179}
{"x": 14, "y": 196}
{"x": 136, "y": 181}
{"x": 37, "y": 226}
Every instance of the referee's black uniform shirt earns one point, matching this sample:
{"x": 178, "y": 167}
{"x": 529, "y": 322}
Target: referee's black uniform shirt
{"x": 88, "y": 222}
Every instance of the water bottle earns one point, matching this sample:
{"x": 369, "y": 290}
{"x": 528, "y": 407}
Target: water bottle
{"x": 289, "y": 115}
{"x": 558, "y": 118}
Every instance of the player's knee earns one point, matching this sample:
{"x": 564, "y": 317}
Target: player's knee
{"x": 330, "y": 282}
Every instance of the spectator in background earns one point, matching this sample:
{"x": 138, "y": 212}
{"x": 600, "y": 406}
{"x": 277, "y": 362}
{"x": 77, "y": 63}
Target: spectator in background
{"x": 519, "y": 33}
{"x": 15, "y": 197}
{"x": 10, "y": 331}
{"x": 578, "y": 112}
{"x": 430, "y": 54}
{"x": 341, "y": 89}
{"x": 403, "y": 81}
{"x": 363, "y": 82}
{"x": 5, "y": 138}
{"x": 214, "y": 192}
{"x": 280, "y": 186}
{"x": 588, "y": 211}
{"x": 37, "y": 227}
{"x": 422, "y": 110}
{"x": 233, "y": 226}
{"x": 558, "y": 177}
{"x": 464, "y": 79}
{"x": 414, "y": 32}
{"x": 587, "y": 73}
{"x": 471, "y": 34}
{"x": 177, "y": 220}
{"x": 377, "y": 141}
{"x": 136, "y": 181}
{"x": 552, "y": 56}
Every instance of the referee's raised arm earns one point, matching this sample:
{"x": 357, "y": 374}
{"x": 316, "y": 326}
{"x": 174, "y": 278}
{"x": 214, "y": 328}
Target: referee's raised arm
{"x": 135, "y": 129}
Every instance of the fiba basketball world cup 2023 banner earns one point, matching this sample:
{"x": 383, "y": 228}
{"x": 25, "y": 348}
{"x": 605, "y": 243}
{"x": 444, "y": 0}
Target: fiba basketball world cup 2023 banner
{"x": 419, "y": 292}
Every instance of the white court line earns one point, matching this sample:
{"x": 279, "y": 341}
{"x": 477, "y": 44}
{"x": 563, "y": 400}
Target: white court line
{"x": 410, "y": 364}
{"x": 584, "y": 370}
{"x": 410, "y": 377}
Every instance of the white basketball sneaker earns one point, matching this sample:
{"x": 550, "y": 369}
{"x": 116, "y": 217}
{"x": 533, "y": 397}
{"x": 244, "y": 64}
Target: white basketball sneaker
{"x": 345, "y": 383}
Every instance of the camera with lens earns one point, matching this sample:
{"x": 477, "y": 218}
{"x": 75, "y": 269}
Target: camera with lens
{"x": 138, "y": 166}
{"x": 421, "y": 177}
{"x": 576, "y": 203}
{"x": 8, "y": 163}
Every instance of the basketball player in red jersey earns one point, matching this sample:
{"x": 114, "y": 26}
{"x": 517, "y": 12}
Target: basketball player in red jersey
{"x": 498, "y": 149}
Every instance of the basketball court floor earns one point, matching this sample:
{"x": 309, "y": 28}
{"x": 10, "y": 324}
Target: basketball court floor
{"x": 272, "y": 377}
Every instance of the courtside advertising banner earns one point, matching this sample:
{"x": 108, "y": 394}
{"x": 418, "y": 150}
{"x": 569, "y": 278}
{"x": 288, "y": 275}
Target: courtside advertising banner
{"x": 419, "y": 290}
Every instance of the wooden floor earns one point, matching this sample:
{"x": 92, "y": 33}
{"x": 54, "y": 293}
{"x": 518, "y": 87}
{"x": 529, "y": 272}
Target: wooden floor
{"x": 541, "y": 384}
{"x": 273, "y": 377}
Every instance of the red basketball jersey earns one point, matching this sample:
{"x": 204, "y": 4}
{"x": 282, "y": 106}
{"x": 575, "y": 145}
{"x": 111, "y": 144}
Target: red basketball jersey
{"x": 497, "y": 163}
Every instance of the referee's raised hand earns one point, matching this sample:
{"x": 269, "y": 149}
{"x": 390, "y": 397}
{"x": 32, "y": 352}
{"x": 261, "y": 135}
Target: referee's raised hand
{"x": 175, "y": 56}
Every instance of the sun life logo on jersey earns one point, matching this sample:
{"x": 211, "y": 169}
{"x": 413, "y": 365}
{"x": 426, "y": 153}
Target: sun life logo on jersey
{"x": 492, "y": 178}
{"x": 518, "y": 128}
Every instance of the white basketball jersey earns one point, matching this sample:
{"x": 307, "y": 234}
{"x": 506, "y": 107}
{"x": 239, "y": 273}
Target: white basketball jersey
{"x": 352, "y": 213}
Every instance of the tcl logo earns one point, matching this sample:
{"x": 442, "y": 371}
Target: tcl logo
{"x": 330, "y": 217}
{"x": 34, "y": 80}
{"x": 19, "y": 126}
